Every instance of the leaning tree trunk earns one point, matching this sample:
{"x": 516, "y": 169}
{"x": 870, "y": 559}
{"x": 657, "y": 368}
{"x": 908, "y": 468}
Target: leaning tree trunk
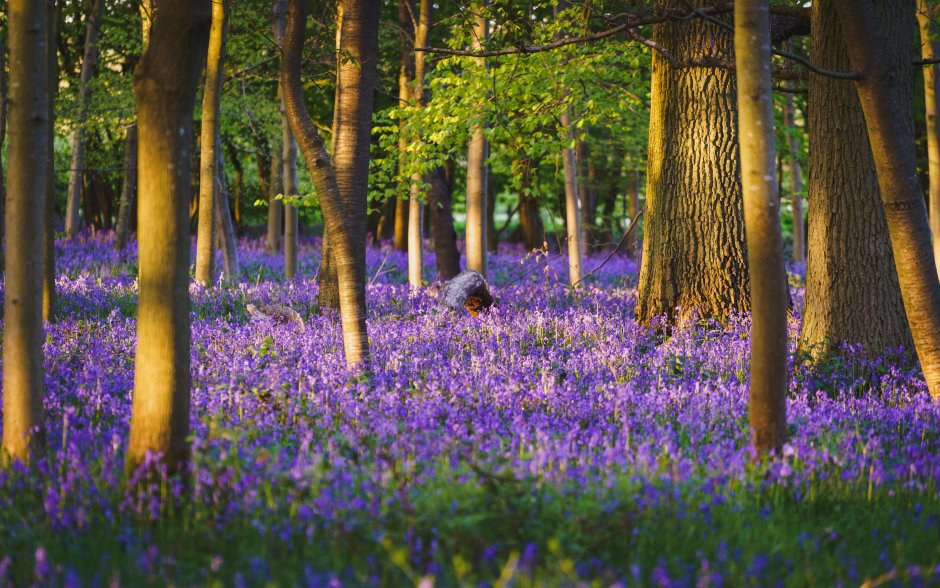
{"x": 768, "y": 385}
{"x": 477, "y": 175}
{"x": 23, "y": 218}
{"x": 357, "y": 46}
{"x": 289, "y": 176}
{"x": 209, "y": 145}
{"x": 892, "y": 145}
{"x": 77, "y": 169}
{"x": 341, "y": 221}
{"x": 48, "y": 272}
{"x": 165, "y": 84}
{"x": 575, "y": 237}
{"x": 694, "y": 253}
{"x": 442, "y": 224}
{"x": 128, "y": 189}
{"x": 930, "y": 49}
{"x": 852, "y": 292}
{"x": 796, "y": 182}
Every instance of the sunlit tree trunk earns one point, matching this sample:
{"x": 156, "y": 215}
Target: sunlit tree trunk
{"x": 796, "y": 182}
{"x": 415, "y": 207}
{"x": 289, "y": 177}
{"x": 341, "y": 221}
{"x": 165, "y": 84}
{"x": 892, "y": 145}
{"x": 209, "y": 145}
{"x": 77, "y": 169}
{"x": 477, "y": 216}
{"x": 768, "y": 370}
{"x": 3, "y": 119}
{"x": 575, "y": 238}
{"x": 23, "y": 219}
{"x": 48, "y": 272}
{"x": 930, "y": 49}
{"x": 852, "y": 292}
{"x": 405, "y": 75}
{"x": 694, "y": 252}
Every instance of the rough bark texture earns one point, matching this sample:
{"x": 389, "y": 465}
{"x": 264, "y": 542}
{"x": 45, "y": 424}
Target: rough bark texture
{"x": 77, "y": 168}
{"x": 209, "y": 145}
{"x": 476, "y": 233}
{"x": 23, "y": 218}
{"x": 892, "y": 144}
{"x": 48, "y": 272}
{"x": 357, "y": 46}
{"x": 796, "y": 183}
{"x": 341, "y": 222}
{"x": 128, "y": 189}
{"x": 930, "y": 49}
{"x": 694, "y": 253}
{"x": 165, "y": 84}
{"x": 768, "y": 370}
{"x": 852, "y": 292}
{"x": 442, "y": 224}
{"x": 574, "y": 234}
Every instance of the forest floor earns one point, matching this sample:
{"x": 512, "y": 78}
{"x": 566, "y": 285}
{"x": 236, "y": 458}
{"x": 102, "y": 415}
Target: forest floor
{"x": 550, "y": 442}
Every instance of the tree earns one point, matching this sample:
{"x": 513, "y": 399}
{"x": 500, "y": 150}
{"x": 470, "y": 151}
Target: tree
{"x": 341, "y": 220}
{"x": 415, "y": 207}
{"x": 796, "y": 182}
{"x": 165, "y": 85}
{"x": 24, "y": 218}
{"x": 77, "y": 169}
{"x": 892, "y": 145}
{"x": 3, "y": 115}
{"x": 768, "y": 369}
{"x": 209, "y": 145}
{"x": 223, "y": 217}
{"x": 930, "y": 49}
{"x": 406, "y": 73}
{"x": 289, "y": 177}
{"x": 694, "y": 252}
{"x": 48, "y": 273}
{"x": 440, "y": 195}
{"x": 575, "y": 234}
{"x": 477, "y": 176}
{"x": 852, "y": 292}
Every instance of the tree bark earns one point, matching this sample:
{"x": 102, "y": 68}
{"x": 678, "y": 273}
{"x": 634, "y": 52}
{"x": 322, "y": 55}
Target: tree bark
{"x": 442, "y": 224}
{"x": 341, "y": 221}
{"x": 575, "y": 237}
{"x": 129, "y": 188}
{"x": 694, "y": 252}
{"x": 405, "y": 75}
{"x": 289, "y": 175}
{"x": 530, "y": 220}
{"x": 930, "y": 49}
{"x": 892, "y": 145}
{"x": 476, "y": 232}
{"x": 796, "y": 183}
{"x": 165, "y": 84}
{"x": 415, "y": 206}
{"x": 223, "y": 219}
{"x": 852, "y": 292}
{"x": 768, "y": 369}
{"x": 25, "y": 208}
{"x": 634, "y": 209}
{"x": 3, "y": 122}
{"x": 77, "y": 169}
{"x": 48, "y": 273}
{"x": 275, "y": 206}
{"x": 209, "y": 145}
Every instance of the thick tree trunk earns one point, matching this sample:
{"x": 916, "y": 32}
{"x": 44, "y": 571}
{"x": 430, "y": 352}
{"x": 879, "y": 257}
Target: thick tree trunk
{"x": 852, "y": 292}
{"x": 768, "y": 370}
{"x": 48, "y": 273}
{"x": 892, "y": 145}
{"x": 930, "y": 49}
{"x": 89, "y": 62}
{"x": 23, "y": 218}
{"x": 477, "y": 227}
{"x": 357, "y": 46}
{"x": 129, "y": 188}
{"x": 223, "y": 220}
{"x": 165, "y": 84}
{"x": 209, "y": 145}
{"x": 289, "y": 161}
{"x": 694, "y": 252}
{"x": 442, "y": 225}
{"x": 341, "y": 221}
{"x": 796, "y": 183}
{"x": 575, "y": 237}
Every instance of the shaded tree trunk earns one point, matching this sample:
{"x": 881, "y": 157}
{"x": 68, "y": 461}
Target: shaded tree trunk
{"x": 3, "y": 121}
{"x": 223, "y": 219}
{"x": 694, "y": 252}
{"x": 852, "y": 292}
{"x": 530, "y": 220}
{"x": 23, "y": 218}
{"x": 634, "y": 209}
{"x": 275, "y": 206}
{"x": 48, "y": 273}
{"x": 129, "y": 188}
{"x": 768, "y": 370}
{"x": 492, "y": 236}
{"x": 442, "y": 224}
{"x": 892, "y": 145}
{"x": 477, "y": 216}
{"x": 165, "y": 84}
{"x": 89, "y": 63}
{"x": 930, "y": 49}
{"x": 796, "y": 183}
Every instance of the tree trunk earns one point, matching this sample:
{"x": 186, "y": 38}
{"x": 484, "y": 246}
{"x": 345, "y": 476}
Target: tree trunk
{"x": 48, "y": 274}
{"x": 129, "y": 189}
{"x": 209, "y": 145}
{"x": 289, "y": 161}
{"x": 930, "y": 49}
{"x": 852, "y": 292}
{"x": 25, "y": 207}
{"x": 694, "y": 253}
{"x": 341, "y": 221}
{"x": 89, "y": 62}
{"x": 768, "y": 370}
{"x": 476, "y": 235}
{"x": 275, "y": 206}
{"x": 442, "y": 225}
{"x": 575, "y": 237}
{"x": 357, "y": 46}
{"x": 492, "y": 237}
{"x": 415, "y": 207}
{"x": 892, "y": 145}
{"x": 796, "y": 186}
{"x": 405, "y": 74}
{"x": 530, "y": 220}
{"x": 3, "y": 122}
{"x": 165, "y": 84}
{"x": 634, "y": 209}
{"x": 223, "y": 219}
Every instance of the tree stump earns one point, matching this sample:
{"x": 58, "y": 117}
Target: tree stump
{"x": 468, "y": 290}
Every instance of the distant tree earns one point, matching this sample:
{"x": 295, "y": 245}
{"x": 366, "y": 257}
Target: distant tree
{"x": 165, "y": 86}
{"x": 3, "y": 115}
{"x": 23, "y": 218}
{"x": 440, "y": 197}
{"x": 796, "y": 181}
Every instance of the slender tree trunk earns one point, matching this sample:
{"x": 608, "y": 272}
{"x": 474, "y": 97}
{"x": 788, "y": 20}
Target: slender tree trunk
{"x": 209, "y": 145}
{"x": 3, "y": 121}
{"x": 476, "y": 236}
{"x": 223, "y": 220}
{"x": 405, "y": 75}
{"x": 129, "y": 189}
{"x": 442, "y": 225}
{"x": 239, "y": 184}
{"x": 23, "y": 217}
{"x": 796, "y": 186}
{"x": 492, "y": 237}
{"x": 165, "y": 85}
{"x": 575, "y": 237}
{"x": 357, "y": 46}
{"x": 48, "y": 274}
{"x": 694, "y": 251}
{"x": 633, "y": 178}
{"x": 89, "y": 62}
{"x": 852, "y": 292}
{"x": 275, "y": 206}
{"x": 289, "y": 161}
{"x": 892, "y": 145}
{"x": 341, "y": 221}
{"x": 930, "y": 49}
{"x": 768, "y": 385}
{"x": 415, "y": 207}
